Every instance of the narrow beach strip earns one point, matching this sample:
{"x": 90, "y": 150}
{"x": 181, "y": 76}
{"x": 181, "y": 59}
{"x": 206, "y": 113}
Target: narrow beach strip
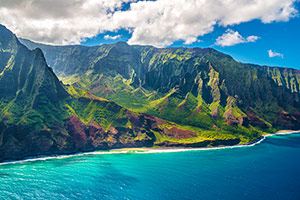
{"x": 147, "y": 150}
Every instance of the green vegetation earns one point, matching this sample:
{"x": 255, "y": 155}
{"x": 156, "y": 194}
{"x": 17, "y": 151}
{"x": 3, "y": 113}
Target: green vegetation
{"x": 134, "y": 96}
{"x": 200, "y": 88}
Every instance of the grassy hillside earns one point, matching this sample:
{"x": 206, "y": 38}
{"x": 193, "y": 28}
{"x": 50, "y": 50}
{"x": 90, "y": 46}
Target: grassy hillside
{"x": 195, "y": 87}
{"x": 41, "y": 116}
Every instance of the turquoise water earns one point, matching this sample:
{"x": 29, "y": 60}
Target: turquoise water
{"x": 269, "y": 170}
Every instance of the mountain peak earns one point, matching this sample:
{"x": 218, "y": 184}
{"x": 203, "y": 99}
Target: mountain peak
{"x": 202, "y": 89}
{"x": 24, "y": 72}
{"x": 3, "y": 28}
{"x": 7, "y": 39}
{"x": 119, "y": 43}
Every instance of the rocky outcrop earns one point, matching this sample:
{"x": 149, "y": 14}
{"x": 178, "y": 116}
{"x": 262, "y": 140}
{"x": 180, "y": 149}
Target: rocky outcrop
{"x": 206, "y": 143}
{"x": 189, "y": 95}
{"x": 199, "y": 76}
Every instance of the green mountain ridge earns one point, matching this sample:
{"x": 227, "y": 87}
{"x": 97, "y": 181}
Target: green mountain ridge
{"x": 168, "y": 97}
{"x": 191, "y": 86}
{"x": 41, "y": 116}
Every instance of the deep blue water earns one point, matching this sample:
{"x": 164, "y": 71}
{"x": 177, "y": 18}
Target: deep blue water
{"x": 269, "y": 170}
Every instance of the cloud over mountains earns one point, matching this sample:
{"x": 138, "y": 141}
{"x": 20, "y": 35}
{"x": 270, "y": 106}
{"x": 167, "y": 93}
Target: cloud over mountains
{"x": 158, "y": 23}
{"x": 231, "y": 38}
{"x": 273, "y": 54}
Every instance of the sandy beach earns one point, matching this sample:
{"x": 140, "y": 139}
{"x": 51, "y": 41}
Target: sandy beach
{"x": 151, "y": 150}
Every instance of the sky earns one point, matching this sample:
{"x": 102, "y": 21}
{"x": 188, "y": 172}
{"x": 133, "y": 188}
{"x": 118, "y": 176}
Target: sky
{"x": 264, "y": 32}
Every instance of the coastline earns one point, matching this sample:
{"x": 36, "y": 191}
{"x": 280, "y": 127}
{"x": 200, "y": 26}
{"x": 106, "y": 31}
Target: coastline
{"x": 149, "y": 150}
{"x": 283, "y": 132}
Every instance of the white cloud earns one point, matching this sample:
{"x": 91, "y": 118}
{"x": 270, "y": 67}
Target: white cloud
{"x": 231, "y": 38}
{"x": 162, "y": 22}
{"x": 58, "y": 21}
{"x": 273, "y": 54}
{"x": 158, "y": 23}
{"x": 191, "y": 40}
{"x": 252, "y": 38}
{"x": 108, "y": 37}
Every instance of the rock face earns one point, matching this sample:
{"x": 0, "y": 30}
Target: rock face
{"x": 285, "y": 77}
{"x": 195, "y": 87}
{"x": 164, "y": 97}
{"x": 31, "y": 99}
{"x": 40, "y": 116}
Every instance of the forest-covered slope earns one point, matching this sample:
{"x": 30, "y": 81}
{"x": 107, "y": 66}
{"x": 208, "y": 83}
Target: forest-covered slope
{"x": 41, "y": 116}
{"x": 196, "y": 87}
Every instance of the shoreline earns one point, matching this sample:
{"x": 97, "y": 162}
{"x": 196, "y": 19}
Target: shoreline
{"x": 145, "y": 150}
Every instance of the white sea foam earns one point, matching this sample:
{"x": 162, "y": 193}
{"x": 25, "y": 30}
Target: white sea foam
{"x": 144, "y": 151}
{"x": 44, "y": 158}
{"x": 283, "y": 133}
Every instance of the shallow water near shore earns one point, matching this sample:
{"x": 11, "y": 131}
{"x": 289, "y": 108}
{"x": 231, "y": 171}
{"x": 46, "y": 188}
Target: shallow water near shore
{"x": 268, "y": 170}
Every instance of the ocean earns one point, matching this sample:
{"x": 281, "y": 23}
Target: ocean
{"x": 268, "y": 170}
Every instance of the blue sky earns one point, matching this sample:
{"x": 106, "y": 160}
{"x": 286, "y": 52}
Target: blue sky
{"x": 280, "y": 37}
{"x": 264, "y": 32}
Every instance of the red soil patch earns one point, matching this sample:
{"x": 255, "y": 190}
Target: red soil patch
{"x": 113, "y": 130}
{"x": 215, "y": 114}
{"x": 179, "y": 133}
{"x": 214, "y": 126}
{"x": 231, "y": 120}
{"x": 199, "y": 109}
{"x": 255, "y": 121}
{"x": 76, "y": 128}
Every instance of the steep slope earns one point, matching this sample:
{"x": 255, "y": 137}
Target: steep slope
{"x": 31, "y": 98}
{"x": 197, "y": 87}
{"x": 40, "y": 116}
{"x": 69, "y": 60}
{"x": 288, "y": 78}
